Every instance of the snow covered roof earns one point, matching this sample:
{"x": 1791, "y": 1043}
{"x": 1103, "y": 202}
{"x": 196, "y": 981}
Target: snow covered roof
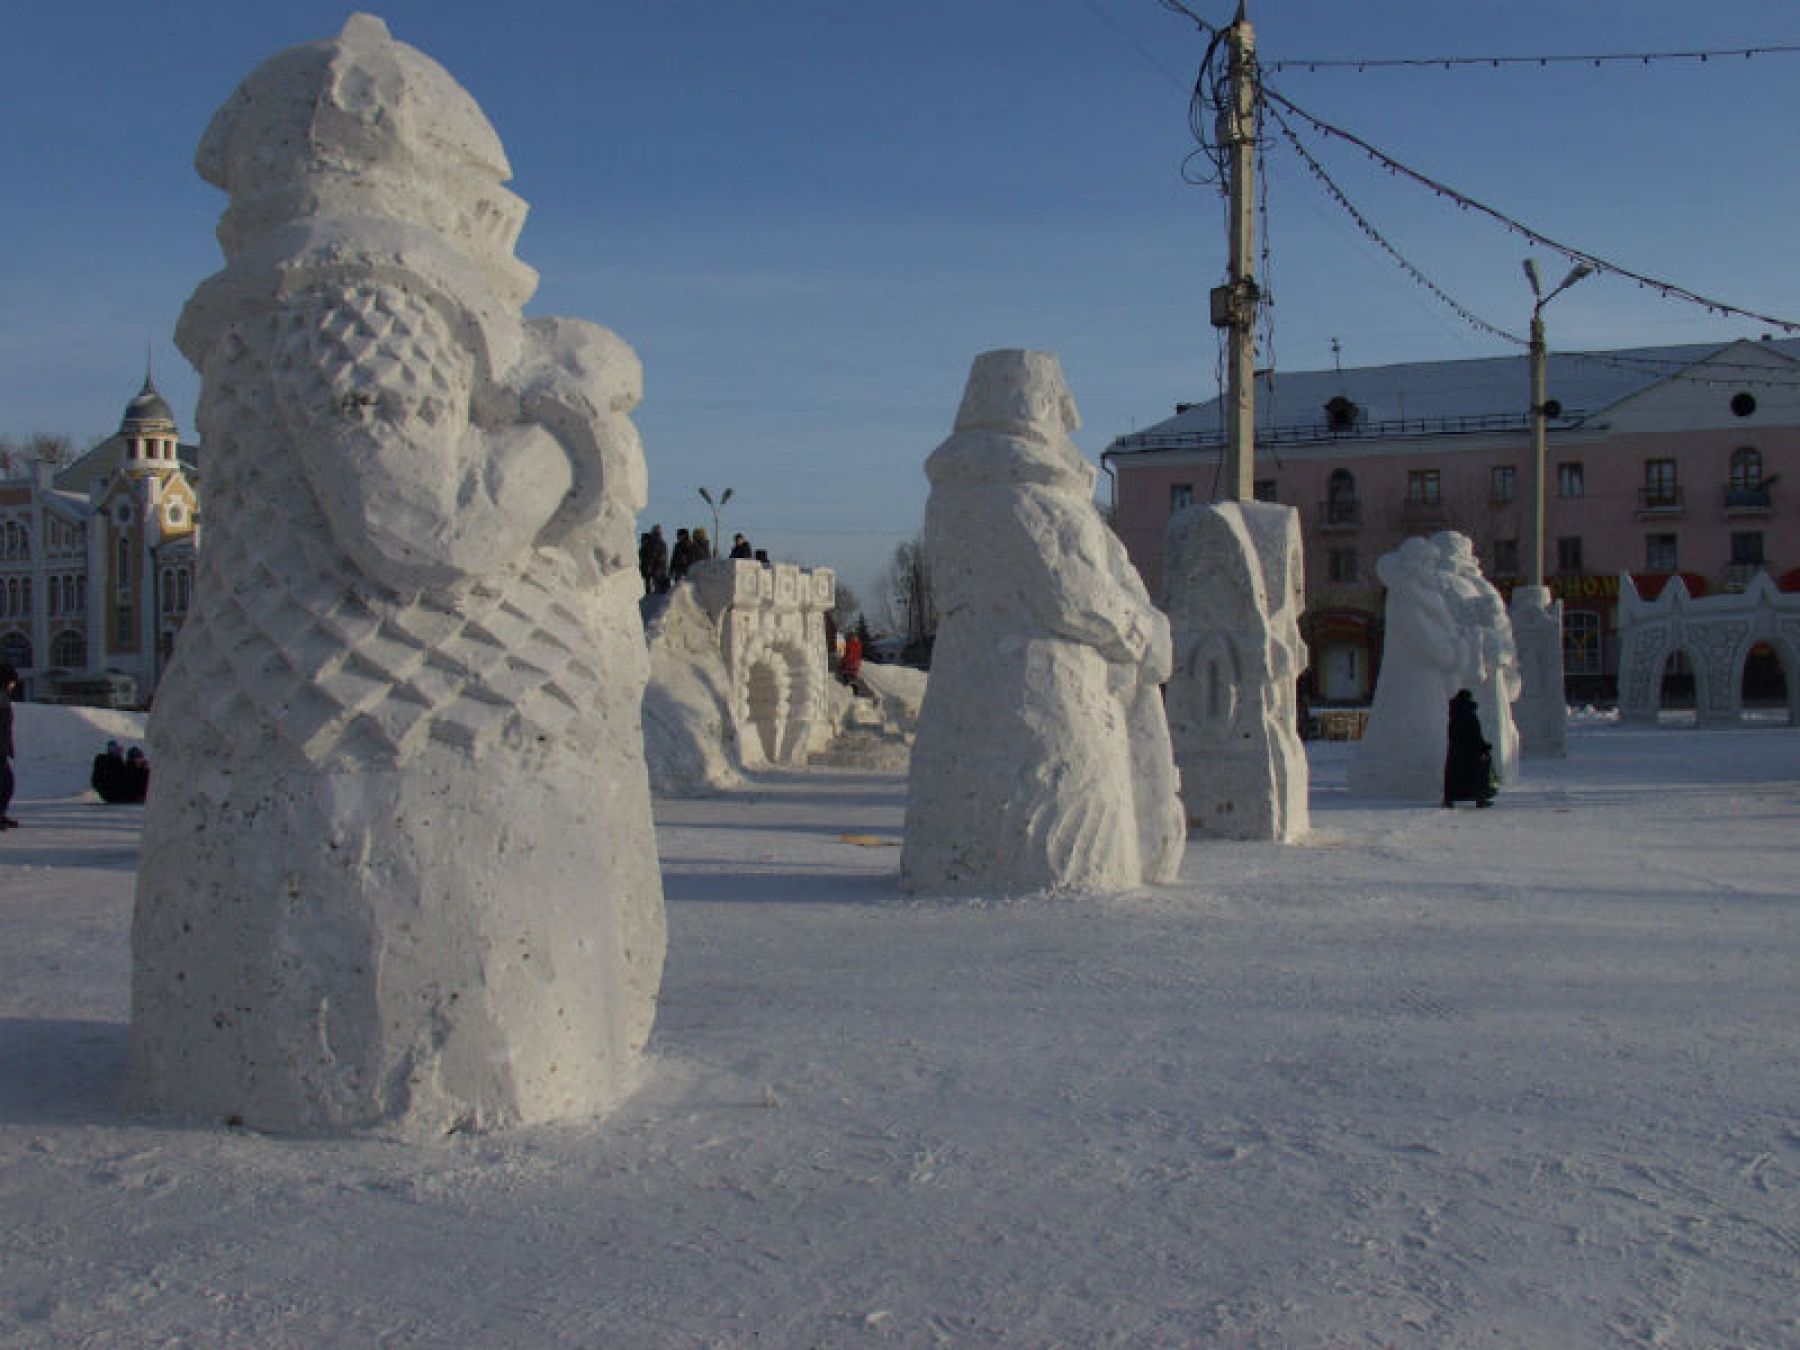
{"x": 1430, "y": 397}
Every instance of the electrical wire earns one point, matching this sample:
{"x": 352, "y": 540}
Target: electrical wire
{"x": 1495, "y": 62}
{"x": 1667, "y": 289}
{"x": 1363, "y": 223}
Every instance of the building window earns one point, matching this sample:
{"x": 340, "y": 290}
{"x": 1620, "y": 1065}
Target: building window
{"x": 1569, "y": 481}
{"x": 1581, "y": 642}
{"x": 1506, "y": 557}
{"x": 1181, "y": 496}
{"x": 1568, "y": 555}
{"x": 1747, "y": 548}
{"x": 183, "y": 589}
{"x": 1422, "y": 487}
{"x": 68, "y": 650}
{"x": 15, "y": 650}
{"x": 1341, "y": 567}
{"x": 1742, "y": 405}
{"x": 1746, "y": 469}
{"x": 1660, "y": 488}
{"x": 1340, "y": 498}
{"x": 1503, "y": 482}
{"x": 1660, "y": 554}
{"x": 1264, "y": 490}
{"x": 124, "y": 561}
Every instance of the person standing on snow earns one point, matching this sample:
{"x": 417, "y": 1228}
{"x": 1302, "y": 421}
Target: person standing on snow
{"x": 9, "y": 685}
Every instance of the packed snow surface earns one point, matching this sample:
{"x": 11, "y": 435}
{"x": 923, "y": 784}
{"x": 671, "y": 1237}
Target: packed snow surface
{"x": 1522, "y": 1077}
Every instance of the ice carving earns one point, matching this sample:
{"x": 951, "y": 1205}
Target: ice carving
{"x": 399, "y": 869}
{"x": 1717, "y": 634}
{"x": 1447, "y": 629}
{"x": 1042, "y": 759}
{"x": 1236, "y": 591}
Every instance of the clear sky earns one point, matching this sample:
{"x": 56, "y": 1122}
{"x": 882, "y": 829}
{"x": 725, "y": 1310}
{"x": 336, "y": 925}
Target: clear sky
{"x": 809, "y": 215}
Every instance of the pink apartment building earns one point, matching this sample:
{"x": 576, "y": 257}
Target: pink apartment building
{"x": 1660, "y": 460}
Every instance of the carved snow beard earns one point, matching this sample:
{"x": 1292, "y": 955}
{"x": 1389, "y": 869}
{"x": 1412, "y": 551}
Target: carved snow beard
{"x": 289, "y": 638}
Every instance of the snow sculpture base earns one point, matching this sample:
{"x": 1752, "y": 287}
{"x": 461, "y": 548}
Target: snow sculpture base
{"x": 1236, "y": 590}
{"x": 1042, "y": 760}
{"x": 1542, "y": 710}
{"x": 399, "y": 868}
{"x": 430, "y": 949}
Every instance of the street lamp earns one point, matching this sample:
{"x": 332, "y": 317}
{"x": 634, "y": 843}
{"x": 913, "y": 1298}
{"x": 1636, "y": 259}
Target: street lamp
{"x": 1539, "y": 360}
{"x": 1541, "y": 711}
{"x": 717, "y": 507}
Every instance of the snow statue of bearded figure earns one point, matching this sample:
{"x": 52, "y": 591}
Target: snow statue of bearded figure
{"x": 1496, "y": 681}
{"x": 1430, "y": 652}
{"x": 1042, "y": 759}
{"x": 399, "y": 870}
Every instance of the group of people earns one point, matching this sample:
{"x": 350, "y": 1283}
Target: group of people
{"x": 120, "y": 775}
{"x": 662, "y": 566}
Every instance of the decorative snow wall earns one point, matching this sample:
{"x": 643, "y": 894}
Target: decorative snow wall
{"x": 1716, "y": 634}
{"x": 771, "y": 623}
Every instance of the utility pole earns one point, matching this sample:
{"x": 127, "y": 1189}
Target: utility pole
{"x": 1234, "y": 304}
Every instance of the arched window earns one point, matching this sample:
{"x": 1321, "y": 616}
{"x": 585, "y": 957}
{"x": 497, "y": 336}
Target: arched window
{"x": 15, "y": 650}
{"x": 68, "y": 650}
{"x": 1746, "y": 469}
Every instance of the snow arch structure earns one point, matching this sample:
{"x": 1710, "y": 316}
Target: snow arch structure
{"x": 1717, "y": 634}
{"x": 771, "y": 623}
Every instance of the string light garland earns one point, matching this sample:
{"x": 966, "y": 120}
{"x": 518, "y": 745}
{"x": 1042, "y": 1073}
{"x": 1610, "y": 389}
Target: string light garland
{"x": 1667, "y": 289}
{"x": 1338, "y": 195}
{"x": 1495, "y": 62}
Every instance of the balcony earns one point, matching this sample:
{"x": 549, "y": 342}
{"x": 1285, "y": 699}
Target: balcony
{"x": 1662, "y": 499}
{"x": 1747, "y": 503}
{"x": 1418, "y": 512}
{"x": 1340, "y": 515}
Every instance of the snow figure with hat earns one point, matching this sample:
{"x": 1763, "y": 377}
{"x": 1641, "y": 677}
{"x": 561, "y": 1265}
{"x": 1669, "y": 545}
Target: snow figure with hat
{"x": 399, "y": 869}
{"x": 1042, "y": 759}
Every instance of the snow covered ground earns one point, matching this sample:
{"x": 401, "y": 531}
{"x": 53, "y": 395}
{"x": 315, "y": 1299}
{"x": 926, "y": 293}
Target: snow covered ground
{"x": 1522, "y": 1077}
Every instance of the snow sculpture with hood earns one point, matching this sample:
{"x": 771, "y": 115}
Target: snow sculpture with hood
{"x": 1042, "y": 759}
{"x": 399, "y": 868}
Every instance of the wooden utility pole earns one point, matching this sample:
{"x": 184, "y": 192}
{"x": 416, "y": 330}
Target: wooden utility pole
{"x": 1237, "y": 306}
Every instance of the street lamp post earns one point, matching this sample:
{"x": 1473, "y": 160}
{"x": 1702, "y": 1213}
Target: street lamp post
{"x": 717, "y": 507}
{"x": 1542, "y": 709}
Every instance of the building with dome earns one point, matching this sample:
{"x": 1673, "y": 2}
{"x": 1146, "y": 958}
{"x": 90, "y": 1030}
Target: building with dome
{"x": 97, "y": 562}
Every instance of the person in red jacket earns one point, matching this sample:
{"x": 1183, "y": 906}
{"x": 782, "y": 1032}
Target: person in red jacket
{"x": 850, "y": 663}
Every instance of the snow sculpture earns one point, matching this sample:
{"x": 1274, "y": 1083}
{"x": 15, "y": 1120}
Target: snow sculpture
{"x": 1446, "y": 630}
{"x": 1236, "y": 592}
{"x": 771, "y": 625}
{"x": 399, "y": 869}
{"x": 1541, "y": 710}
{"x": 1042, "y": 759}
{"x": 1717, "y": 633}
{"x": 1495, "y": 680}
{"x": 690, "y": 740}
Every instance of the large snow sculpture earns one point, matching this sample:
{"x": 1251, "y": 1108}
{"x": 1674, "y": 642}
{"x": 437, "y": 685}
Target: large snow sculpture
{"x": 399, "y": 869}
{"x": 1717, "y": 633}
{"x": 1481, "y": 612}
{"x": 1447, "y": 630}
{"x": 1236, "y": 584}
{"x": 1042, "y": 759}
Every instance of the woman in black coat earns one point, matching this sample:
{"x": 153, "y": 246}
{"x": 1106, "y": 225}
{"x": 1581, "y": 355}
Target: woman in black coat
{"x": 1469, "y": 761}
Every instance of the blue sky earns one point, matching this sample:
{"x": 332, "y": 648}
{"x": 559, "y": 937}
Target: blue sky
{"x": 808, "y": 216}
